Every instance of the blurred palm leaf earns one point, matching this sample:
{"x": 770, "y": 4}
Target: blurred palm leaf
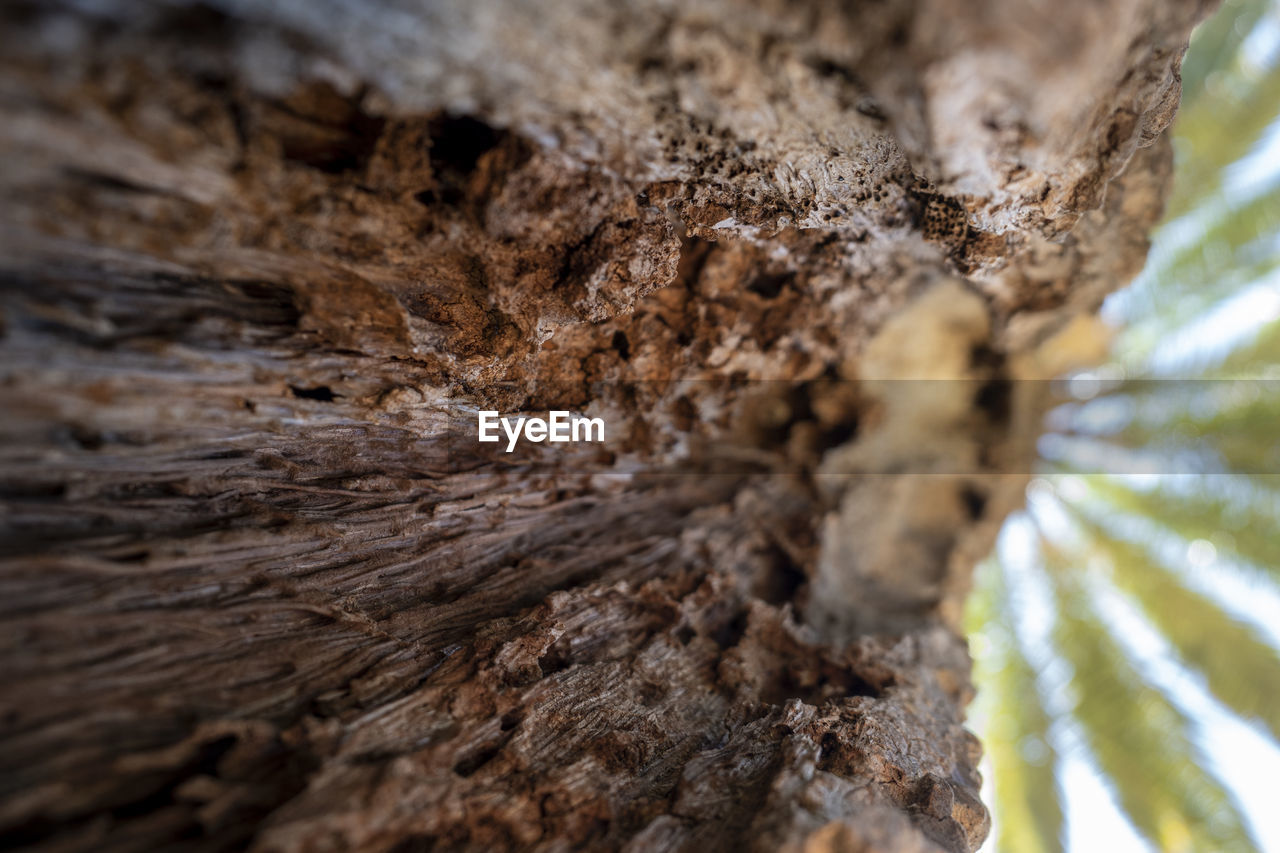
{"x": 1202, "y": 339}
{"x": 1248, "y": 519}
{"x": 1229, "y": 99}
{"x": 1139, "y": 739}
{"x": 1262, "y": 350}
{"x": 1239, "y": 666}
{"x": 1017, "y": 734}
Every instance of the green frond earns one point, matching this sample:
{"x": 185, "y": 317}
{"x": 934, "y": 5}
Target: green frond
{"x": 1197, "y": 279}
{"x": 1232, "y": 422}
{"x": 1214, "y": 44}
{"x": 1227, "y": 105}
{"x": 1230, "y": 249}
{"x": 1139, "y": 739}
{"x": 1240, "y": 668}
{"x": 1244, "y": 529}
{"x": 1016, "y": 732}
{"x": 1260, "y": 351}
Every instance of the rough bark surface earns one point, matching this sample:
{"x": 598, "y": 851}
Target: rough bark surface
{"x": 260, "y": 265}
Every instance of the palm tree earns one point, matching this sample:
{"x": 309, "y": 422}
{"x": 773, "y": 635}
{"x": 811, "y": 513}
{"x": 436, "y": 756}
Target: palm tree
{"x": 1160, "y": 488}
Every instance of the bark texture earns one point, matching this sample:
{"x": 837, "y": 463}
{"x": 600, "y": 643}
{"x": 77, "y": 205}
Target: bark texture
{"x": 261, "y": 263}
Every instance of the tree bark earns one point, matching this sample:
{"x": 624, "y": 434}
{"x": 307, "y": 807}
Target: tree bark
{"x": 262, "y": 264}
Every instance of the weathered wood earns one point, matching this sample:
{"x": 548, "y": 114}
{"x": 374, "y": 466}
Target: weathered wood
{"x": 259, "y": 586}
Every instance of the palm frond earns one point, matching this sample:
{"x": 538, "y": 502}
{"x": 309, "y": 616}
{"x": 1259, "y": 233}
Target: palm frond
{"x": 1241, "y": 230}
{"x": 1228, "y": 103}
{"x": 1259, "y": 352}
{"x": 1239, "y": 667}
{"x": 1140, "y": 740}
{"x": 1023, "y": 760}
{"x": 1228, "y": 425}
{"x": 1214, "y": 44}
{"x": 1249, "y": 522}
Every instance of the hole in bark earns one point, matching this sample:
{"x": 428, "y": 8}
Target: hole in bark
{"x": 730, "y": 633}
{"x": 457, "y": 144}
{"x": 995, "y": 398}
{"x": 88, "y": 439}
{"x": 769, "y": 286}
{"x": 839, "y": 434}
{"x": 974, "y": 502}
{"x": 650, "y": 694}
{"x": 552, "y": 662}
{"x": 510, "y": 720}
{"x": 827, "y": 68}
{"x": 983, "y": 356}
{"x": 327, "y": 131}
{"x": 783, "y": 578}
{"x": 321, "y": 392}
{"x": 830, "y": 682}
{"x": 458, "y": 141}
{"x": 835, "y": 756}
{"x": 621, "y": 345}
{"x": 683, "y": 414}
{"x": 685, "y": 635}
{"x": 694, "y": 253}
{"x": 471, "y": 763}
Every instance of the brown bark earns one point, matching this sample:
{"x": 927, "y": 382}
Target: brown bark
{"x": 261, "y": 263}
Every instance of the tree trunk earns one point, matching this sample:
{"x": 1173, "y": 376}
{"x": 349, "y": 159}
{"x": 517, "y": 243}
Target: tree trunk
{"x": 263, "y": 263}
